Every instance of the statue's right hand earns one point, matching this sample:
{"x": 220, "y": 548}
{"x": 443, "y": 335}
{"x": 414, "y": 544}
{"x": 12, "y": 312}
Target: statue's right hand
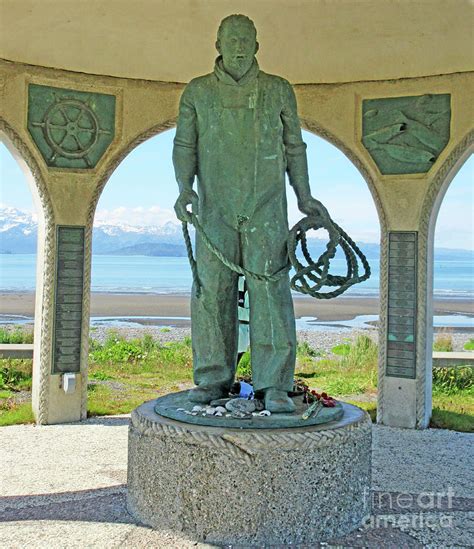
{"x": 185, "y": 199}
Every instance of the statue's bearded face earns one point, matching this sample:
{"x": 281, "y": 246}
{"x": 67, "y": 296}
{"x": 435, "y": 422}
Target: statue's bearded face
{"x": 238, "y": 46}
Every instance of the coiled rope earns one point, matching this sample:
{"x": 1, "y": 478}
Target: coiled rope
{"x": 315, "y": 272}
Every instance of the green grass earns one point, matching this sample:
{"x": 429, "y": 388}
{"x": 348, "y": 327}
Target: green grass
{"x": 244, "y": 368}
{"x": 342, "y": 349}
{"x": 455, "y": 412}
{"x": 469, "y": 346}
{"x": 118, "y": 349}
{"x": 21, "y": 413}
{"x": 138, "y": 369}
{"x": 103, "y": 400}
{"x": 451, "y": 381}
{"x": 99, "y": 375}
{"x": 304, "y": 352}
{"x": 304, "y": 349}
{"x": 354, "y": 372}
{"x": 15, "y": 374}
{"x": 124, "y": 373}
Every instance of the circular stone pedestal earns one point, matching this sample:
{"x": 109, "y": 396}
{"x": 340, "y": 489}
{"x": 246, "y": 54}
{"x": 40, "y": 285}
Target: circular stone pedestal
{"x": 252, "y": 486}
{"x": 173, "y": 406}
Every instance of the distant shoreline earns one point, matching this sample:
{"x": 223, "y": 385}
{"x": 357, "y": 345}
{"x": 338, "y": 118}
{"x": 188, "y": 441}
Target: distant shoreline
{"x": 177, "y": 305}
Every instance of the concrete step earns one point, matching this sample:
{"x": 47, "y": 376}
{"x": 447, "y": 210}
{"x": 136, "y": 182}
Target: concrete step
{"x": 16, "y": 350}
{"x": 462, "y": 358}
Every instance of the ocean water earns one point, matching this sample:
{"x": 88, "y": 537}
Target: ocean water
{"x": 168, "y": 275}
{"x": 361, "y": 322}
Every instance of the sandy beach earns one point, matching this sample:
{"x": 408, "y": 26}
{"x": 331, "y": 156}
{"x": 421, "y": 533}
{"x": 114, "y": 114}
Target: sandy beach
{"x": 135, "y": 304}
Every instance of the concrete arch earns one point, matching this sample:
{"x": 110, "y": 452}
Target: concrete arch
{"x": 306, "y": 124}
{"x": 120, "y": 156}
{"x": 44, "y": 306}
{"x": 442, "y": 181}
{"x": 320, "y": 131}
{"x": 428, "y": 216}
{"x": 29, "y": 166}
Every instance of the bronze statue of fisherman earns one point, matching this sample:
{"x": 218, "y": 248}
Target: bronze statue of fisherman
{"x": 238, "y": 133}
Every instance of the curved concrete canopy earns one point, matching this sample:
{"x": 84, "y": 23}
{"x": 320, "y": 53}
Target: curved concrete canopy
{"x": 307, "y": 41}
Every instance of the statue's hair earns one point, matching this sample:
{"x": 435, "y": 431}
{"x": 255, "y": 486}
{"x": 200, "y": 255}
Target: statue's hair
{"x": 233, "y": 19}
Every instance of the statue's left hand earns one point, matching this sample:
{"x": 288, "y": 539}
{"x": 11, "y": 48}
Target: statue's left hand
{"x": 186, "y": 198}
{"x": 311, "y": 206}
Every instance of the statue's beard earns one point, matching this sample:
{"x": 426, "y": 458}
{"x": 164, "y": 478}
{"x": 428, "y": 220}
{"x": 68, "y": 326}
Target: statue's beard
{"x": 238, "y": 66}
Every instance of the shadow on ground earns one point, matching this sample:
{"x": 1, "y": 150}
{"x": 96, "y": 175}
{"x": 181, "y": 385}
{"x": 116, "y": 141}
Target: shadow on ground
{"x": 106, "y": 421}
{"x": 99, "y": 505}
{"x": 108, "y": 505}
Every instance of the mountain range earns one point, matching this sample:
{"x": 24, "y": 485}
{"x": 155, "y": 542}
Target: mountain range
{"x": 18, "y": 234}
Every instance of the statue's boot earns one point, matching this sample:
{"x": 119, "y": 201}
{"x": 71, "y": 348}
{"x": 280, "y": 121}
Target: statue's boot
{"x": 277, "y": 401}
{"x": 203, "y": 394}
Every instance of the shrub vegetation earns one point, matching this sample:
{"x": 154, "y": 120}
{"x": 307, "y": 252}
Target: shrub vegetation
{"x": 17, "y": 335}
{"x": 443, "y": 343}
{"x": 123, "y": 373}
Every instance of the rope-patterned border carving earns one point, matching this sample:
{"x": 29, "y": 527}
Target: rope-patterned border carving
{"x": 423, "y": 245}
{"x": 383, "y": 320}
{"x": 359, "y": 164}
{"x": 47, "y": 312}
{"x": 246, "y": 445}
{"x": 110, "y": 168}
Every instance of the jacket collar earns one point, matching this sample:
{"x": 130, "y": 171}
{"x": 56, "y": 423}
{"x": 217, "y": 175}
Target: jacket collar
{"x": 226, "y": 78}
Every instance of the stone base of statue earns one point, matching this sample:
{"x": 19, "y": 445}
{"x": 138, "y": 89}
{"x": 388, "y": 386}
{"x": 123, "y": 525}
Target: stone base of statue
{"x": 250, "y": 485}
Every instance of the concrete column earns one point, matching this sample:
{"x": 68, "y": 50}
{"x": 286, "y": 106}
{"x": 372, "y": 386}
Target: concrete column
{"x": 50, "y": 403}
{"x": 405, "y": 336}
{"x": 66, "y": 185}
{"x": 403, "y": 377}
{"x": 59, "y": 362}
{"x": 405, "y": 381}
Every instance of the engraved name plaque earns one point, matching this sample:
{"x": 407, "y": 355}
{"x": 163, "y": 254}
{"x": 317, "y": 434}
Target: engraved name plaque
{"x": 402, "y": 284}
{"x": 69, "y": 293}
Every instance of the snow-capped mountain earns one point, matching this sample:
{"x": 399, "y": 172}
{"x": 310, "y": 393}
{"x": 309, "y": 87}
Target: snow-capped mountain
{"x": 111, "y": 238}
{"x": 168, "y": 229}
{"x": 11, "y": 217}
{"x": 18, "y": 230}
{"x": 18, "y": 233}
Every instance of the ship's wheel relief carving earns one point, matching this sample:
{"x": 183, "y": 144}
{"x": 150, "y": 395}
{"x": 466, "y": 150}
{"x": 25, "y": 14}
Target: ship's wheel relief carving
{"x": 71, "y": 129}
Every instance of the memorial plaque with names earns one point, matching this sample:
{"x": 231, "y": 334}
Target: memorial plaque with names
{"x": 69, "y": 293}
{"x": 402, "y": 291}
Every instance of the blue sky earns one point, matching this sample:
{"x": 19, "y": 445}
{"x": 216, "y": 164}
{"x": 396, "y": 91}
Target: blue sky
{"x": 142, "y": 191}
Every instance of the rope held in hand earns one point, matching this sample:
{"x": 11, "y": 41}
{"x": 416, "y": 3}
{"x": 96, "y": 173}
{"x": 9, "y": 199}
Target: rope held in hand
{"x": 316, "y": 271}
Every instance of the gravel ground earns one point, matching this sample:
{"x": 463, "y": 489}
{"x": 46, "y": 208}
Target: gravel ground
{"x": 323, "y": 341}
{"x": 407, "y": 460}
{"x": 65, "y": 486}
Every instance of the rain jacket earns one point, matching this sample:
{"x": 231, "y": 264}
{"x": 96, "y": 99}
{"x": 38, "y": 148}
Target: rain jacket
{"x": 239, "y": 139}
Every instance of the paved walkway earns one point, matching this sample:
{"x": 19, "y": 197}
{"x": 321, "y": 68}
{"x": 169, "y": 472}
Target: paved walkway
{"x": 64, "y": 486}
